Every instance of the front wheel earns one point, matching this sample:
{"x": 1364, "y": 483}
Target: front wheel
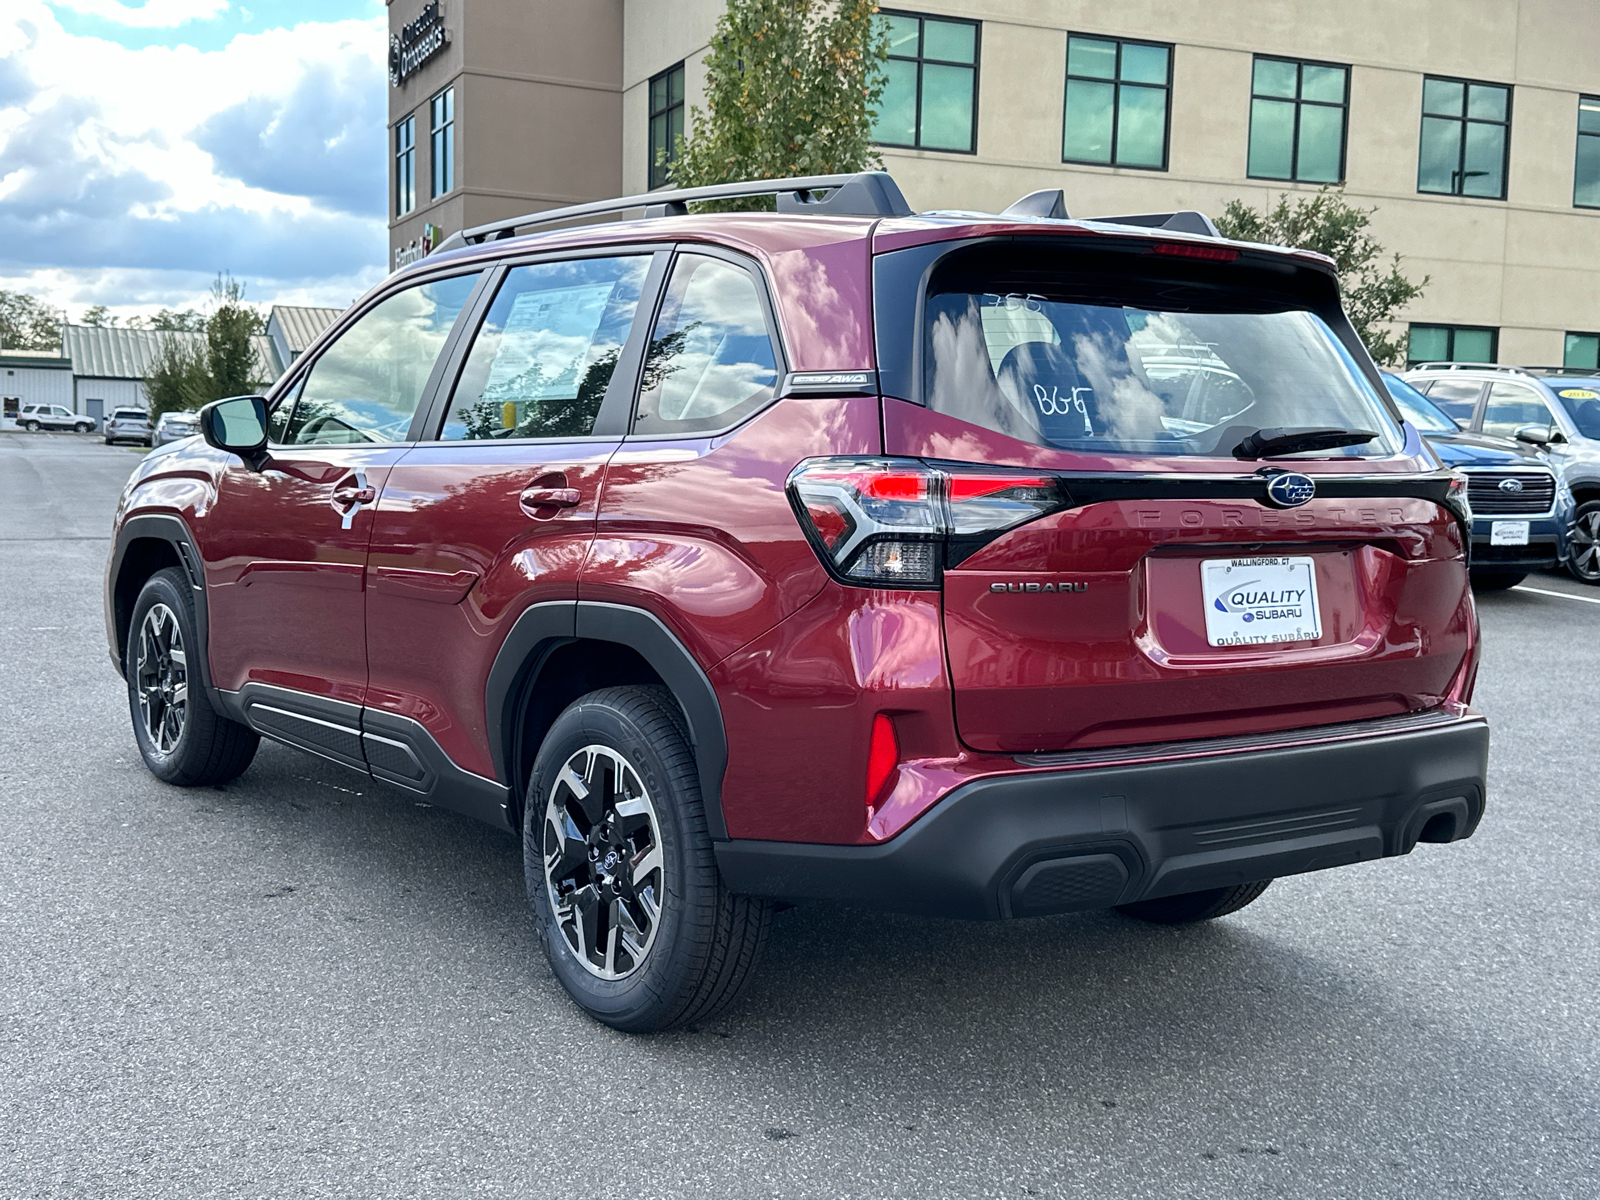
{"x": 82, "y": 427}
{"x": 1195, "y": 906}
{"x": 635, "y": 919}
{"x": 182, "y": 739}
{"x": 1497, "y": 581}
{"x": 1583, "y": 559}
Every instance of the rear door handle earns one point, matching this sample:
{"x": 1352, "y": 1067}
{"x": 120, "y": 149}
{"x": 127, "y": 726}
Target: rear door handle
{"x": 549, "y": 497}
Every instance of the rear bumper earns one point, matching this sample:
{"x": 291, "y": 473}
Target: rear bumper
{"x": 1094, "y": 837}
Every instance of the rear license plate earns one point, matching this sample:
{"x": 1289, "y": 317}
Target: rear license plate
{"x": 1251, "y": 601}
{"x": 1509, "y": 533}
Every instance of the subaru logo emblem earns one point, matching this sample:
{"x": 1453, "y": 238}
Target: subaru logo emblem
{"x": 1290, "y": 489}
{"x": 1511, "y": 485}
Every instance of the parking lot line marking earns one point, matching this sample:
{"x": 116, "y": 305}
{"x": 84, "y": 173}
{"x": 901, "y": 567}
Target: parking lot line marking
{"x": 1561, "y": 595}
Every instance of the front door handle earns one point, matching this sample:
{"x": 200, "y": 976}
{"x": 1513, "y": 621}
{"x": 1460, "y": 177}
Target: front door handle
{"x": 548, "y": 497}
{"x": 349, "y": 494}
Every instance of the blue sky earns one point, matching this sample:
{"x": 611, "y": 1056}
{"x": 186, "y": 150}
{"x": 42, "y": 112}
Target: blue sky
{"x": 146, "y": 146}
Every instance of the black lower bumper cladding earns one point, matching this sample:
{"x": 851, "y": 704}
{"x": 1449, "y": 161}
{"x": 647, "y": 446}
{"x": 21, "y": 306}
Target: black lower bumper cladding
{"x": 1097, "y": 836}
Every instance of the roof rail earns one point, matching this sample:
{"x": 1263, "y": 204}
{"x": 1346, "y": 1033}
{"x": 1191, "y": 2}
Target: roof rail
{"x": 1581, "y": 372}
{"x": 1186, "y": 221}
{"x": 863, "y": 194}
{"x": 1506, "y": 368}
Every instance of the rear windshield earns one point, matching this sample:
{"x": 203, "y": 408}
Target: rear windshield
{"x": 1068, "y": 366}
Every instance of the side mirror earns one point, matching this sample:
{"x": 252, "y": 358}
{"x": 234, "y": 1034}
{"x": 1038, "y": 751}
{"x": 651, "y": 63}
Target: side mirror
{"x": 239, "y": 426}
{"x": 1534, "y": 435}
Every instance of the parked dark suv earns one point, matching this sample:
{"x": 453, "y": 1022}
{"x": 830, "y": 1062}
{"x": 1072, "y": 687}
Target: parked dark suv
{"x": 980, "y": 566}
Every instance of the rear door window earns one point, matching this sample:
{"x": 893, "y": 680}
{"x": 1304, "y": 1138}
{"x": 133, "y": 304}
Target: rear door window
{"x": 1457, "y": 397}
{"x": 1106, "y": 364}
{"x": 544, "y": 355}
{"x": 711, "y": 360}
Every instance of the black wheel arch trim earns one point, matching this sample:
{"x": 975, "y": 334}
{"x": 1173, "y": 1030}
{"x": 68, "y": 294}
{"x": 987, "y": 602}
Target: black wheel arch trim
{"x": 164, "y": 527}
{"x": 543, "y": 628}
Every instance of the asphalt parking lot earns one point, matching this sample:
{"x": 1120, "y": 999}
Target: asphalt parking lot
{"x": 308, "y": 984}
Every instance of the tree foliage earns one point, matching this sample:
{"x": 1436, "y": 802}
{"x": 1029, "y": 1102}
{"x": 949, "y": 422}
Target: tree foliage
{"x": 791, "y": 89}
{"x": 190, "y": 371}
{"x": 1374, "y": 288}
{"x": 27, "y": 323}
{"x": 183, "y": 319}
{"x": 97, "y": 315}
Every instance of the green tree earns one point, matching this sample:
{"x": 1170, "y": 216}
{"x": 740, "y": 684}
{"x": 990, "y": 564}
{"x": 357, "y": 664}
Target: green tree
{"x": 99, "y": 316}
{"x": 1374, "y": 288}
{"x": 192, "y": 371}
{"x": 791, "y": 89}
{"x": 27, "y": 323}
{"x": 178, "y": 378}
{"x": 184, "y": 320}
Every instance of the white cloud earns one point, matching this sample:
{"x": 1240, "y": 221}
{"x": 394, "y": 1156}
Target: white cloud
{"x": 153, "y": 14}
{"x": 265, "y": 158}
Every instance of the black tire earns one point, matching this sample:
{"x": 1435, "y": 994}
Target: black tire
{"x": 31, "y": 426}
{"x": 82, "y": 427}
{"x": 702, "y": 946}
{"x": 110, "y": 442}
{"x": 208, "y": 748}
{"x": 1195, "y": 906}
{"x": 1497, "y": 581}
{"x": 1583, "y": 563}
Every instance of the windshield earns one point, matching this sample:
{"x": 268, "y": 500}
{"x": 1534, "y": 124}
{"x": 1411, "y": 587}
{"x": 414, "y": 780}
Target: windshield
{"x": 1106, "y": 377}
{"x": 1418, "y": 409}
{"x": 1581, "y": 399}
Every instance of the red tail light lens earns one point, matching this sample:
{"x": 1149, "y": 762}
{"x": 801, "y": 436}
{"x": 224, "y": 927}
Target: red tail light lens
{"x": 1196, "y": 250}
{"x": 899, "y": 522}
{"x": 883, "y": 759}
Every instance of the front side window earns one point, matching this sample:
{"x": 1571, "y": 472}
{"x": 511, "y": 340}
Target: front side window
{"x": 442, "y": 141}
{"x": 711, "y": 361}
{"x": 1101, "y": 367}
{"x": 1466, "y": 137}
{"x": 364, "y": 388}
{"x": 1116, "y": 105}
{"x": 1510, "y": 407}
{"x": 1297, "y": 120}
{"x": 1451, "y": 343}
{"x": 930, "y": 101}
{"x": 544, "y": 355}
{"x": 666, "y": 123}
{"x": 405, "y": 166}
{"x": 1582, "y": 351}
{"x": 1586, "y": 175}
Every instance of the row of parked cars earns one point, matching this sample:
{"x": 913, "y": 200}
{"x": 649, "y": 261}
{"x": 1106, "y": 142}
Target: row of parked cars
{"x": 1528, "y": 441}
{"x": 123, "y": 425}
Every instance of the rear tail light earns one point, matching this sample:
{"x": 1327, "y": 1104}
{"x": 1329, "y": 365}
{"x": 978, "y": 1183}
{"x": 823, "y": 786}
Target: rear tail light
{"x": 1458, "y": 501}
{"x": 899, "y": 522}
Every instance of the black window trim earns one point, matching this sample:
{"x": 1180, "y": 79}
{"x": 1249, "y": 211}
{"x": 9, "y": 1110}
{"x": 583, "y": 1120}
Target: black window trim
{"x": 616, "y": 408}
{"x": 1461, "y": 158}
{"x": 433, "y": 138}
{"x": 976, "y": 64}
{"x": 408, "y": 156}
{"x": 774, "y": 335}
{"x": 1576, "y": 146}
{"x": 1116, "y": 105}
{"x": 649, "y": 104}
{"x": 1492, "y": 330}
{"x": 1294, "y": 138}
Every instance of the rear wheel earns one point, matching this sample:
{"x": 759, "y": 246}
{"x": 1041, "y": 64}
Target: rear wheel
{"x": 1497, "y": 581}
{"x": 1584, "y": 558}
{"x": 635, "y": 919}
{"x": 31, "y": 426}
{"x": 1195, "y": 906}
{"x": 182, "y": 739}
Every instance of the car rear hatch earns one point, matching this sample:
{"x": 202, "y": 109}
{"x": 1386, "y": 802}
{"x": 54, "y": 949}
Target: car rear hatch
{"x": 1159, "y": 574}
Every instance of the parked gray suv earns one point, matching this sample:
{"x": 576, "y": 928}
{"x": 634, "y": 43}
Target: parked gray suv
{"x": 1553, "y": 408}
{"x": 128, "y": 425}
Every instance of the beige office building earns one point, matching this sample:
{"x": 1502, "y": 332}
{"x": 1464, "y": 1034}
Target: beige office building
{"x": 1473, "y": 126}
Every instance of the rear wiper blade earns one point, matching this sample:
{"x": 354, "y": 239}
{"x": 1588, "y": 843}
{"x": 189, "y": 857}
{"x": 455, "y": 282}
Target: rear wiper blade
{"x": 1269, "y": 443}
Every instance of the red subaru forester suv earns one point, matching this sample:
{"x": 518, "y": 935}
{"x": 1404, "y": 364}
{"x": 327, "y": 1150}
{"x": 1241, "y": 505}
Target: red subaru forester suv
{"x": 984, "y": 566}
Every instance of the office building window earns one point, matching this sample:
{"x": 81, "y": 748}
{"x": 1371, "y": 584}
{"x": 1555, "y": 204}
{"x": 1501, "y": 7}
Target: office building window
{"x": 405, "y": 166}
{"x": 1583, "y": 351}
{"x": 442, "y": 140}
{"x": 1116, "y": 108}
{"x": 1466, "y": 137}
{"x": 1452, "y": 343}
{"x": 1586, "y": 179}
{"x": 1297, "y": 120}
{"x": 666, "y": 123}
{"x": 931, "y": 99}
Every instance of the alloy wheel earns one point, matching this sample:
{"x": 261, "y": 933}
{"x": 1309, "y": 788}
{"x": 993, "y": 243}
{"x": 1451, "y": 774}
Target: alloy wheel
{"x": 603, "y": 865}
{"x": 161, "y": 679}
{"x": 1585, "y": 560}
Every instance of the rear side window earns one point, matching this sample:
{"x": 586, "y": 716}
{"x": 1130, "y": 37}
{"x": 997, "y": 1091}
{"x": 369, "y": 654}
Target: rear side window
{"x": 711, "y": 360}
{"x": 364, "y": 388}
{"x": 1107, "y": 362}
{"x": 1457, "y": 397}
{"x": 542, "y": 359}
